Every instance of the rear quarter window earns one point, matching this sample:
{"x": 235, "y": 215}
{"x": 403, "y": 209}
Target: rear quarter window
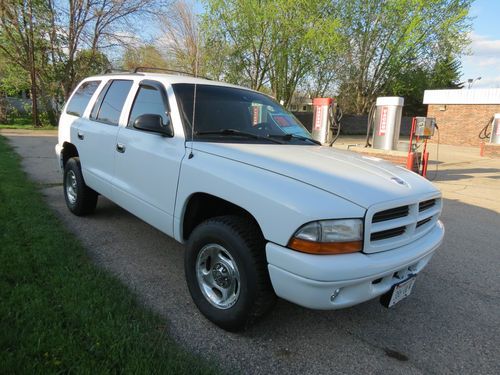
{"x": 81, "y": 98}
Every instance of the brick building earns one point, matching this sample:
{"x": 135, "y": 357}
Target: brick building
{"x": 461, "y": 114}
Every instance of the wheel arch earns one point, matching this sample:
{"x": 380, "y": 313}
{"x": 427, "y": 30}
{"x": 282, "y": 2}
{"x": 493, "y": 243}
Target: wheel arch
{"x": 202, "y": 206}
{"x": 69, "y": 151}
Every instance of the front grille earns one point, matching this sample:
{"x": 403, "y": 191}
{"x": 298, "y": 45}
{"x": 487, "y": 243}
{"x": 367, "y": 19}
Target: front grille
{"x": 394, "y": 232}
{"x": 390, "y": 228}
{"x": 422, "y": 206}
{"x": 393, "y": 213}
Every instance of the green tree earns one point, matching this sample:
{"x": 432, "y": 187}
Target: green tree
{"x": 413, "y": 81}
{"x": 446, "y": 74}
{"x": 88, "y": 62}
{"x": 13, "y": 78}
{"x": 146, "y": 55}
{"x": 305, "y": 35}
{"x": 240, "y": 34}
{"x": 386, "y": 38}
{"x": 50, "y": 40}
{"x": 23, "y": 25}
{"x": 272, "y": 44}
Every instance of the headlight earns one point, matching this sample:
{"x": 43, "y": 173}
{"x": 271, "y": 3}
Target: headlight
{"x": 329, "y": 237}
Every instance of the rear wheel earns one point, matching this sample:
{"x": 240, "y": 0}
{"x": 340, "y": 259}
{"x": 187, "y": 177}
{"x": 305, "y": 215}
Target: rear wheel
{"x": 80, "y": 199}
{"x": 226, "y": 272}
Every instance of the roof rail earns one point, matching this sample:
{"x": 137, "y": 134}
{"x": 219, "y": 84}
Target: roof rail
{"x": 142, "y": 68}
{"x": 115, "y": 70}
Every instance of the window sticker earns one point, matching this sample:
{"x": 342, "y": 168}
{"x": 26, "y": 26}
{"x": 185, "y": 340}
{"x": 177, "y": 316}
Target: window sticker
{"x": 283, "y": 120}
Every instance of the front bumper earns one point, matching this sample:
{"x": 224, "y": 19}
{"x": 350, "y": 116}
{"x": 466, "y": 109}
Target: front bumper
{"x": 312, "y": 280}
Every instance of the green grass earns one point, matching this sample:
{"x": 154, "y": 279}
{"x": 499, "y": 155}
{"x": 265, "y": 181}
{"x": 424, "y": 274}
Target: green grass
{"x": 58, "y": 312}
{"x": 27, "y": 127}
{"x": 23, "y": 122}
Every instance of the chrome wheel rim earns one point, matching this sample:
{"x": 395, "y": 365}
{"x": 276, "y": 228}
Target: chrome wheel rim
{"x": 71, "y": 187}
{"x": 218, "y": 276}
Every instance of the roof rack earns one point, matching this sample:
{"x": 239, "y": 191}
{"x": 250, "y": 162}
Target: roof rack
{"x": 142, "y": 68}
{"x": 115, "y": 70}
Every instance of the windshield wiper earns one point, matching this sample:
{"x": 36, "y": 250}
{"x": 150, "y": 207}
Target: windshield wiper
{"x": 288, "y": 137}
{"x": 237, "y": 133}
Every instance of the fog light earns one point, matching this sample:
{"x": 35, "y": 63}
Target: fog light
{"x": 335, "y": 294}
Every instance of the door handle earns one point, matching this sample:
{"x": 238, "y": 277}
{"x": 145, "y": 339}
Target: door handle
{"x": 120, "y": 147}
{"x": 80, "y": 135}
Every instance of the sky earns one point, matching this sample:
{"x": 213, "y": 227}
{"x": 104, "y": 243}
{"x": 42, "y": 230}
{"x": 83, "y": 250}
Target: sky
{"x": 484, "y": 60}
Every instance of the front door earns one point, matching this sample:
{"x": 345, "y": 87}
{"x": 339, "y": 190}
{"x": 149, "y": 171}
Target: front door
{"x": 147, "y": 164}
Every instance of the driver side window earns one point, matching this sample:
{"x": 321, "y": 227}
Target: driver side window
{"x": 149, "y": 100}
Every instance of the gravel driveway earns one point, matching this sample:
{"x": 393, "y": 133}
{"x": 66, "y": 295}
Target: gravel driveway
{"x": 450, "y": 324}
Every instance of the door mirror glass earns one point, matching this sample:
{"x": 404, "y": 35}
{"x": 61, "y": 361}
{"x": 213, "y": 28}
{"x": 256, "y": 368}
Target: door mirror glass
{"x": 154, "y": 123}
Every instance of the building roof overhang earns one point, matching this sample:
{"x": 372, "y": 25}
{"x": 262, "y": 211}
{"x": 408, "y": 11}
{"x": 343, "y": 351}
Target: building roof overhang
{"x": 462, "y": 96}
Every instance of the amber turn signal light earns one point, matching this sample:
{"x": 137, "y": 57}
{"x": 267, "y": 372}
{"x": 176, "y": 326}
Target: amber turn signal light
{"x": 325, "y": 248}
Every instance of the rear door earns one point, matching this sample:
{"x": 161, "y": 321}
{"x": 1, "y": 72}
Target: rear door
{"x": 147, "y": 164}
{"x": 96, "y": 136}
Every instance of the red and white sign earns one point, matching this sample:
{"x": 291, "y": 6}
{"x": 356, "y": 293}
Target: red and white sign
{"x": 317, "y": 117}
{"x": 382, "y": 127}
{"x": 255, "y": 115}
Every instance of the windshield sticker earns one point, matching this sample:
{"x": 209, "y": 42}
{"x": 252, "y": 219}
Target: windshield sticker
{"x": 256, "y": 115}
{"x": 282, "y": 120}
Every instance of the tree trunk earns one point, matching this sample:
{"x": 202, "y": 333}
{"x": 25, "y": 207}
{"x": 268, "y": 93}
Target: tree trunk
{"x": 3, "y": 110}
{"x": 34, "y": 101}
{"x": 31, "y": 52}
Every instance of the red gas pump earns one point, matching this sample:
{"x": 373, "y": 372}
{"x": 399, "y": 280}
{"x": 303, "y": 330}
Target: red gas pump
{"x": 422, "y": 129}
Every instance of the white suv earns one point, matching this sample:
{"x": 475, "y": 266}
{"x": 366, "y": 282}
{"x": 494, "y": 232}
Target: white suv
{"x": 263, "y": 209}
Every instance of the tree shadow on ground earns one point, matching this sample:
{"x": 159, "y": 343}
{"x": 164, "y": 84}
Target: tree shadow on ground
{"x": 460, "y": 174}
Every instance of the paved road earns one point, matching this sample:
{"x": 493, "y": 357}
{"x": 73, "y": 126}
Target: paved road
{"x": 451, "y": 323}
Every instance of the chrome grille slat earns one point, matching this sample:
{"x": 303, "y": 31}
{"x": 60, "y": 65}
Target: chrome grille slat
{"x": 389, "y": 233}
{"x": 393, "y": 213}
{"x": 384, "y": 225}
{"x": 422, "y": 222}
{"x": 428, "y": 213}
{"x": 422, "y": 206}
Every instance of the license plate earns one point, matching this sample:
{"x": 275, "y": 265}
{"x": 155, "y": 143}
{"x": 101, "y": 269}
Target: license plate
{"x": 400, "y": 291}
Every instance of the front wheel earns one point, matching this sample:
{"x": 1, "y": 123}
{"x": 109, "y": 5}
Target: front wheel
{"x": 226, "y": 272}
{"x": 80, "y": 199}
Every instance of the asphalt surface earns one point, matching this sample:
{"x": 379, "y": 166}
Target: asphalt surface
{"x": 450, "y": 323}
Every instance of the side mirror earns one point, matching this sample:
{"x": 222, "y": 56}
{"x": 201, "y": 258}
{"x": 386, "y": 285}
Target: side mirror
{"x": 154, "y": 123}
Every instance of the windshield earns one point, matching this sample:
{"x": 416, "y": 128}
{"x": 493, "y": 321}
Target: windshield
{"x": 219, "y": 109}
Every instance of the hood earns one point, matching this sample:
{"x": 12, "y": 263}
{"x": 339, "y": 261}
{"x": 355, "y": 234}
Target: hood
{"x": 363, "y": 180}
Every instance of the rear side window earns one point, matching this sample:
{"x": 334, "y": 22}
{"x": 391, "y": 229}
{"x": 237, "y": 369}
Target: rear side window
{"x": 112, "y": 103}
{"x": 81, "y": 98}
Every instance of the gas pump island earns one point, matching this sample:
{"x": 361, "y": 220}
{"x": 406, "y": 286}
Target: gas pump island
{"x": 383, "y": 129}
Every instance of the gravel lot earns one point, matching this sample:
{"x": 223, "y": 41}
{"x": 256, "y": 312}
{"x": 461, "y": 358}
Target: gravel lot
{"x": 450, "y": 324}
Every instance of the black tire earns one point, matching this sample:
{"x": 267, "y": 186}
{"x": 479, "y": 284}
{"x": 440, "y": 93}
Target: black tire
{"x": 84, "y": 199}
{"x": 246, "y": 246}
